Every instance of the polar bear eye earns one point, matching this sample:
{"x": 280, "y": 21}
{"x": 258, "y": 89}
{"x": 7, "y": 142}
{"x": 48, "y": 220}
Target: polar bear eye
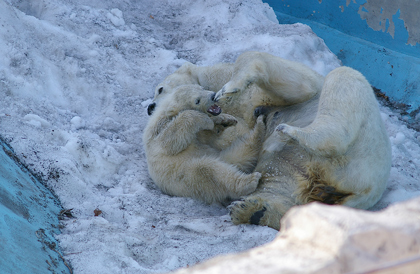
{"x": 197, "y": 101}
{"x": 160, "y": 90}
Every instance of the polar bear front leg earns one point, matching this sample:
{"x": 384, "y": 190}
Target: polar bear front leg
{"x": 311, "y": 140}
{"x": 243, "y": 153}
{"x": 224, "y": 120}
{"x": 182, "y": 130}
{"x": 322, "y": 137}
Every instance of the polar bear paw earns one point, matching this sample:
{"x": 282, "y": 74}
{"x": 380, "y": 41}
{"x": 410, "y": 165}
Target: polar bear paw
{"x": 285, "y": 132}
{"x": 260, "y": 129}
{"x": 261, "y": 120}
{"x": 248, "y": 184}
{"x": 233, "y": 87}
{"x": 262, "y": 111}
{"x": 224, "y": 120}
{"x": 247, "y": 211}
{"x": 240, "y": 86}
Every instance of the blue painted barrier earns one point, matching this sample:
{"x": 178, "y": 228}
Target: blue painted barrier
{"x": 389, "y": 63}
{"x": 28, "y": 221}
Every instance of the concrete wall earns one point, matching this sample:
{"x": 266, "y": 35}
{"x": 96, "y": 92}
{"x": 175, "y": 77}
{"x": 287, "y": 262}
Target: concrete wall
{"x": 380, "y": 38}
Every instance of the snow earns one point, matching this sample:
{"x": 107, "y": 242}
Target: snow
{"x": 75, "y": 79}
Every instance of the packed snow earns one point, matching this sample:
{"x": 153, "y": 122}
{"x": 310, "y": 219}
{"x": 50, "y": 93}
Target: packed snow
{"x": 75, "y": 78}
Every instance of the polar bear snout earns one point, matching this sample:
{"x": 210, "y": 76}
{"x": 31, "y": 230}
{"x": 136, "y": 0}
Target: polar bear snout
{"x": 151, "y": 108}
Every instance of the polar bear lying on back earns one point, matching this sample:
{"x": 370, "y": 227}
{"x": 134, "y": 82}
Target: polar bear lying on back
{"x": 182, "y": 163}
{"x": 331, "y": 147}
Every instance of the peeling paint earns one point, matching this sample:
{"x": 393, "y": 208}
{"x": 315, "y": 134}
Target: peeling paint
{"x": 380, "y": 14}
{"x": 348, "y": 2}
{"x": 392, "y": 23}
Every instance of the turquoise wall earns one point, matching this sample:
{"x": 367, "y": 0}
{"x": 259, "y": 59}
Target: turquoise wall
{"x": 28, "y": 221}
{"x": 387, "y": 56}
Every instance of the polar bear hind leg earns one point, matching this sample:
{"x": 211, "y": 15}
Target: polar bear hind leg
{"x": 263, "y": 209}
{"x": 317, "y": 186}
{"x": 284, "y": 82}
{"x": 215, "y": 181}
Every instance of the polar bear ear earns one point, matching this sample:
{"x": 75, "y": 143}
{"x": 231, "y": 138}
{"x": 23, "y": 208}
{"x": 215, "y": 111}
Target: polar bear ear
{"x": 158, "y": 91}
{"x": 187, "y": 67}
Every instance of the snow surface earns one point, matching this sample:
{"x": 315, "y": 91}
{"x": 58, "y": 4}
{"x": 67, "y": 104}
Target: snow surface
{"x": 75, "y": 77}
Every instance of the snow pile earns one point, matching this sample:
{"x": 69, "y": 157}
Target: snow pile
{"x": 76, "y": 76}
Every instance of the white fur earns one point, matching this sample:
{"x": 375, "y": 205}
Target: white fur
{"x": 331, "y": 140}
{"x": 348, "y": 127}
{"x": 263, "y": 79}
{"x": 182, "y": 161}
{"x": 209, "y": 77}
{"x": 284, "y": 82}
{"x": 332, "y": 130}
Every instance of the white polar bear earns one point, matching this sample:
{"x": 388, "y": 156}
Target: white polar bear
{"x": 347, "y": 128}
{"x": 182, "y": 163}
{"x": 210, "y": 78}
{"x": 331, "y": 146}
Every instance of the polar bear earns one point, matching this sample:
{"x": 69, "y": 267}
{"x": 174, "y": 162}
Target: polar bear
{"x": 330, "y": 146}
{"x": 210, "y": 78}
{"x": 182, "y": 163}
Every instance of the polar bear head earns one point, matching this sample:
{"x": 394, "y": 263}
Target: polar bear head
{"x": 182, "y": 76}
{"x": 185, "y": 97}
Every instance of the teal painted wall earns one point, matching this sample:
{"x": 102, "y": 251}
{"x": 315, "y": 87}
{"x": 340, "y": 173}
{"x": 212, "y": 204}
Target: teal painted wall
{"x": 370, "y": 36}
{"x": 28, "y": 221}
{"x": 346, "y": 16}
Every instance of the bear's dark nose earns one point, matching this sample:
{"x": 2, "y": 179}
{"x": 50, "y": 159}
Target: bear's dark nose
{"x": 212, "y": 96}
{"x": 151, "y": 108}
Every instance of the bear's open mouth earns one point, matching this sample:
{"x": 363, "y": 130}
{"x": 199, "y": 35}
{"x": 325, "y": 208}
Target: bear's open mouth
{"x": 214, "y": 110}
